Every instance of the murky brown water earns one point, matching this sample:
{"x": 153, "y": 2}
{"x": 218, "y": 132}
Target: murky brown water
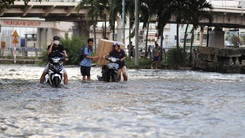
{"x": 153, "y": 103}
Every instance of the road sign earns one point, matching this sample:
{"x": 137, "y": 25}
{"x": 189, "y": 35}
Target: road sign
{"x": 15, "y": 40}
{"x": 15, "y": 34}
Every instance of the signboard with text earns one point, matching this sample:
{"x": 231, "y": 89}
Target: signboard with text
{"x": 21, "y": 23}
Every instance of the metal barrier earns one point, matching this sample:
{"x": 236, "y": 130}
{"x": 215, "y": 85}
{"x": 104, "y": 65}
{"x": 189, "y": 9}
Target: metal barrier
{"x": 24, "y": 50}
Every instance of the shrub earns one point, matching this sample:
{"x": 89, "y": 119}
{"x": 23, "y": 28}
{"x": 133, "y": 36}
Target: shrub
{"x": 144, "y": 63}
{"x": 73, "y": 46}
{"x": 43, "y": 58}
{"x": 176, "y": 58}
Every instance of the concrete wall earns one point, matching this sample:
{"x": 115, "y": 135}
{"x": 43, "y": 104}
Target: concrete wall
{"x": 216, "y": 39}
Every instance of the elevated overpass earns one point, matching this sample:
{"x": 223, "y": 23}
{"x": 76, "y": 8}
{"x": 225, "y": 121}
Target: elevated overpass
{"x": 228, "y": 17}
{"x": 62, "y": 10}
{"x": 50, "y": 11}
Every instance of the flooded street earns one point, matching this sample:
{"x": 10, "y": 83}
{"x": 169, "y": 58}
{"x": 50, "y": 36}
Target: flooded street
{"x": 152, "y": 104}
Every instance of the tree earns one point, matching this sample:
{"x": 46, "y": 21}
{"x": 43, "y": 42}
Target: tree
{"x": 178, "y": 8}
{"x": 147, "y": 9}
{"x": 103, "y": 11}
{"x": 129, "y": 10}
{"x": 8, "y": 3}
{"x": 114, "y": 9}
{"x": 96, "y": 8}
{"x": 164, "y": 15}
{"x": 201, "y": 9}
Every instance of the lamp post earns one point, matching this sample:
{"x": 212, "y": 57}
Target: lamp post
{"x": 123, "y": 20}
{"x": 136, "y": 32}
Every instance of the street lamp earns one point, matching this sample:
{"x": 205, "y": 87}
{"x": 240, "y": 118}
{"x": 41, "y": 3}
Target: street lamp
{"x": 123, "y": 20}
{"x": 136, "y": 32}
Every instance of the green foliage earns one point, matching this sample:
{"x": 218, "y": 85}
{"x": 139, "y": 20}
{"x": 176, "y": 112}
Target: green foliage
{"x": 73, "y": 46}
{"x": 176, "y": 58}
{"x": 235, "y": 40}
{"x": 43, "y": 57}
{"x": 144, "y": 63}
{"x": 8, "y": 3}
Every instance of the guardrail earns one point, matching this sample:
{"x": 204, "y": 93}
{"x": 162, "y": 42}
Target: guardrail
{"x": 25, "y": 50}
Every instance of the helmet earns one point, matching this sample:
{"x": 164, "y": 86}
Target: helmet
{"x": 116, "y": 44}
{"x": 56, "y": 38}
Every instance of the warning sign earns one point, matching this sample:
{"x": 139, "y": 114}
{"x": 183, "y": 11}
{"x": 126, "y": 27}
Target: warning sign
{"x": 15, "y": 40}
{"x": 15, "y": 35}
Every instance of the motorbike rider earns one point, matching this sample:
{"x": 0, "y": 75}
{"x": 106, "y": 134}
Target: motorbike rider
{"x": 117, "y": 52}
{"x": 55, "y": 47}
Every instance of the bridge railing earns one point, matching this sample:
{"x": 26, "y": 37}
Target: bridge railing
{"x": 224, "y": 3}
{"x": 23, "y": 51}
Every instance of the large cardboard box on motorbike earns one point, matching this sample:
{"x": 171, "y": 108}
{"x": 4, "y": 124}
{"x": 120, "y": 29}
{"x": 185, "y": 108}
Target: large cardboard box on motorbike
{"x": 104, "y": 47}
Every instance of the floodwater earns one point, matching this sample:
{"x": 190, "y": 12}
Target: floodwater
{"x": 152, "y": 104}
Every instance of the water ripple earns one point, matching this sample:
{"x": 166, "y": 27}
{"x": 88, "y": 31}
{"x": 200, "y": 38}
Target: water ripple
{"x": 153, "y": 103}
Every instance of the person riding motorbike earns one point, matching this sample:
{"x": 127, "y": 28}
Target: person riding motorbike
{"x": 117, "y": 52}
{"x": 55, "y": 47}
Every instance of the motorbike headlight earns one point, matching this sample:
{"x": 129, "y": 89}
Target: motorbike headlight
{"x": 112, "y": 65}
{"x": 56, "y": 60}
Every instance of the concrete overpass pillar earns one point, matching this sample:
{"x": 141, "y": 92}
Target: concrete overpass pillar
{"x": 119, "y": 29}
{"x": 216, "y": 38}
{"x": 49, "y": 35}
{"x": 38, "y": 44}
{"x": 81, "y": 28}
{"x": 43, "y": 38}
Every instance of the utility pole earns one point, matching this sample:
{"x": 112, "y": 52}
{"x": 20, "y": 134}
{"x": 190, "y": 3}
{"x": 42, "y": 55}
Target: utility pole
{"x": 123, "y": 20}
{"x": 136, "y": 32}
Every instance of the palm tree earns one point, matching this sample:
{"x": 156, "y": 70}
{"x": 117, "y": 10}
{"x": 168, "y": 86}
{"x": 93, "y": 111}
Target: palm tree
{"x": 8, "y": 3}
{"x": 130, "y": 12}
{"x": 96, "y": 8}
{"x": 103, "y": 6}
{"x": 178, "y": 8}
{"x": 201, "y": 9}
{"x": 115, "y": 7}
{"x": 92, "y": 12}
{"x": 147, "y": 9}
{"x": 164, "y": 15}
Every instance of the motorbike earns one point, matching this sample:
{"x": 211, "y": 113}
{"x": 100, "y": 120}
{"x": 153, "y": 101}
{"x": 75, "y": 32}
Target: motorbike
{"x": 55, "y": 71}
{"x": 109, "y": 71}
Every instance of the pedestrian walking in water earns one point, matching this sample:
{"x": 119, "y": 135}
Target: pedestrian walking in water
{"x": 155, "y": 54}
{"x": 85, "y": 63}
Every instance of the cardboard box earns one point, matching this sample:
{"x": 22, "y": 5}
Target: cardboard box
{"x": 104, "y": 47}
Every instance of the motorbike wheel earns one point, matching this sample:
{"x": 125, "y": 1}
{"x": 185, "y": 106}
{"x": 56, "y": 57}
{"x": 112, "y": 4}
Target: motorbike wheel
{"x": 113, "y": 77}
{"x": 56, "y": 82}
{"x": 107, "y": 78}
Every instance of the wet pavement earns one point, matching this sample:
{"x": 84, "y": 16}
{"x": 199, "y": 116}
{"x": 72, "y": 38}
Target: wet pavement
{"x": 152, "y": 104}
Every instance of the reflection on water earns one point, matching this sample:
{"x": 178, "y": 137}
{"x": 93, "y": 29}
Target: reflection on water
{"x": 153, "y": 103}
